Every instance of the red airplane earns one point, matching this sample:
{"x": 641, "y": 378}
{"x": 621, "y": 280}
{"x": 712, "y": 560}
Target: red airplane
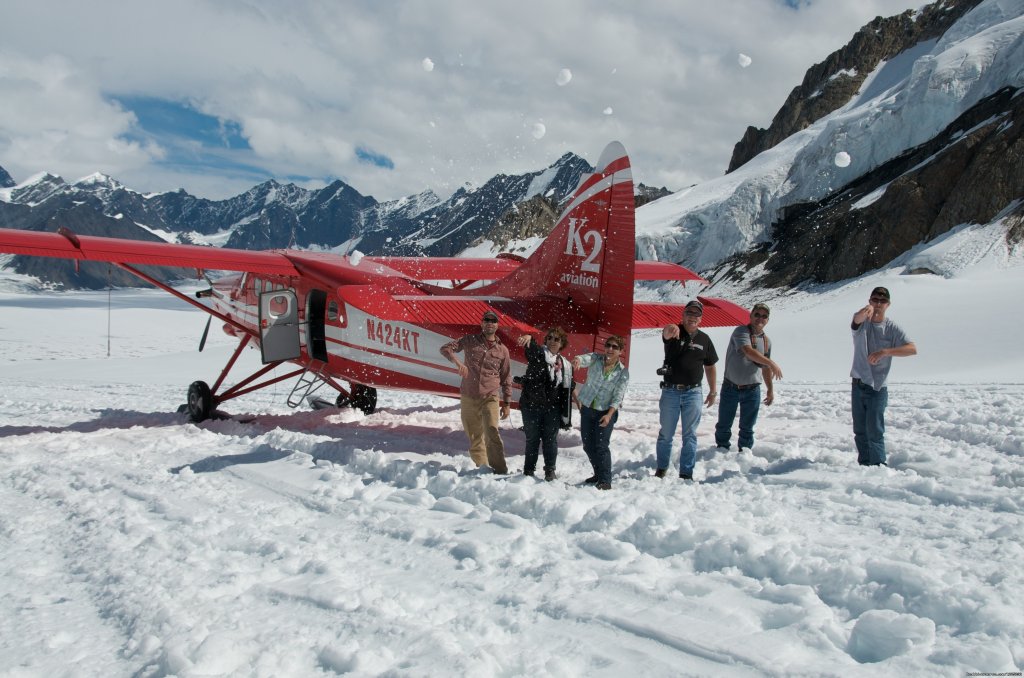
{"x": 380, "y": 322}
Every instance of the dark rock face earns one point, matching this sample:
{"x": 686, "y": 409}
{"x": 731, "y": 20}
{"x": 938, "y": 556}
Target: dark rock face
{"x": 832, "y": 83}
{"x": 533, "y": 218}
{"x": 469, "y": 215}
{"x": 969, "y": 173}
{"x": 644, "y": 194}
{"x": 5, "y": 179}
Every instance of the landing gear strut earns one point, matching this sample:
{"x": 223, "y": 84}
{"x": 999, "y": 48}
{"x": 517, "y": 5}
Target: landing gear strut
{"x": 360, "y": 397}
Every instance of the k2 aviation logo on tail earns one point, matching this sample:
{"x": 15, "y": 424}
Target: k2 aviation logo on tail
{"x": 576, "y": 245}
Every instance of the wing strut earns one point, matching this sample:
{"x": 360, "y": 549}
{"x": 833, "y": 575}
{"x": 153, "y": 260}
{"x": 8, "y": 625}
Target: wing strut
{"x": 184, "y": 297}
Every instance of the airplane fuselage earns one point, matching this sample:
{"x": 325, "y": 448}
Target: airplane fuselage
{"x": 357, "y": 346}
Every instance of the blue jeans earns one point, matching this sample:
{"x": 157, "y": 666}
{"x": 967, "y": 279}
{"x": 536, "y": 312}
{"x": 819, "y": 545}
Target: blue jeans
{"x": 675, "y": 405}
{"x": 541, "y": 428}
{"x": 596, "y": 441}
{"x": 869, "y": 423}
{"x": 749, "y": 402}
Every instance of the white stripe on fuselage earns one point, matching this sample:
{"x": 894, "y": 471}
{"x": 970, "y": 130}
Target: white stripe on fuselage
{"x": 398, "y": 347}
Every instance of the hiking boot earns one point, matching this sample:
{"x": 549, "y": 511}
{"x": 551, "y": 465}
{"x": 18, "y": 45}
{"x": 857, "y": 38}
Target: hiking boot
{"x": 591, "y": 480}
{"x": 528, "y": 472}
{"x": 604, "y": 486}
{"x": 549, "y": 474}
{"x": 660, "y": 473}
{"x": 686, "y": 476}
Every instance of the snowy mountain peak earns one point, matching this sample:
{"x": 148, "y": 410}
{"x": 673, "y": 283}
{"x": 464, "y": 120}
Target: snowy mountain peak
{"x": 37, "y": 188}
{"x": 98, "y": 180}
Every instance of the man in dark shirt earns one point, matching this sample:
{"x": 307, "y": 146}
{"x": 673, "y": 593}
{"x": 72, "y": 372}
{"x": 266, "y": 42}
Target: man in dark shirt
{"x": 689, "y": 357}
{"x": 485, "y": 372}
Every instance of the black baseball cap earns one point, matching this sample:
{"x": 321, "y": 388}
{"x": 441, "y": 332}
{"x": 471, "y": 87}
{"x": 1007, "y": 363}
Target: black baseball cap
{"x": 881, "y": 292}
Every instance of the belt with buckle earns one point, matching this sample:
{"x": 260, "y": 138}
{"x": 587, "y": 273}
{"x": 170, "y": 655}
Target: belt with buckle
{"x": 679, "y": 387}
{"x": 740, "y": 387}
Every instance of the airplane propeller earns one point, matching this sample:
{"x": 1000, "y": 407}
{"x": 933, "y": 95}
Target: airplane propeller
{"x": 199, "y": 295}
{"x": 206, "y": 331}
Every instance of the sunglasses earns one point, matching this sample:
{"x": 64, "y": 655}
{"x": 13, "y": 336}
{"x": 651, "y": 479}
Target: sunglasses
{"x": 615, "y": 346}
{"x": 693, "y": 314}
{"x": 488, "y": 320}
{"x": 879, "y": 300}
{"x": 760, "y": 315}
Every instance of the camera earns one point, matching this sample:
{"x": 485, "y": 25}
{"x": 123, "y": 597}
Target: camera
{"x": 517, "y": 380}
{"x": 665, "y": 370}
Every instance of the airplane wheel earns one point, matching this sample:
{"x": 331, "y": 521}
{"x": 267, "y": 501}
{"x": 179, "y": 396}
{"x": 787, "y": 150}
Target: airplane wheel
{"x": 200, "y": 401}
{"x": 361, "y": 397}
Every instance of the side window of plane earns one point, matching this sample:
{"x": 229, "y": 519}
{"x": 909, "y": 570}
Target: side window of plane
{"x": 332, "y": 311}
{"x": 280, "y": 305}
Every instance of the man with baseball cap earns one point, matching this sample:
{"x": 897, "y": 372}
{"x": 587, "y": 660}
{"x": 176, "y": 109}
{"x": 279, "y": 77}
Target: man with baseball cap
{"x": 747, "y": 361}
{"x": 486, "y": 390}
{"x": 689, "y": 357}
{"x": 876, "y": 341}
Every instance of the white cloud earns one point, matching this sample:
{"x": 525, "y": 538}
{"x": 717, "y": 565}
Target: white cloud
{"x": 309, "y": 82}
{"x": 54, "y": 119}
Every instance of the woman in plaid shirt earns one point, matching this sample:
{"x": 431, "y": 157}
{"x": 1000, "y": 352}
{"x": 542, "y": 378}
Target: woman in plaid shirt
{"x": 599, "y": 401}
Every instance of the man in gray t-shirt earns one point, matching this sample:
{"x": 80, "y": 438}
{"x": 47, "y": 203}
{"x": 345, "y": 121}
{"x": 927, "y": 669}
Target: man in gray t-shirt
{"x": 876, "y": 341}
{"x": 747, "y": 362}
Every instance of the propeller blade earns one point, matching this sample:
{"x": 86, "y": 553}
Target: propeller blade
{"x": 206, "y": 330}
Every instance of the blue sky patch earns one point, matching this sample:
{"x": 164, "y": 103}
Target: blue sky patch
{"x": 369, "y": 157}
{"x": 163, "y": 117}
{"x": 193, "y": 142}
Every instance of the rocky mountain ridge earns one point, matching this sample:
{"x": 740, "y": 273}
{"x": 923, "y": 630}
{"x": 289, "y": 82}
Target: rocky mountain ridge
{"x": 274, "y": 215}
{"x": 832, "y": 83}
{"x": 927, "y": 144}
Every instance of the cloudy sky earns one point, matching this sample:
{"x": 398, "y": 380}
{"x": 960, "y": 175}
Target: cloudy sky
{"x": 394, "y": 97}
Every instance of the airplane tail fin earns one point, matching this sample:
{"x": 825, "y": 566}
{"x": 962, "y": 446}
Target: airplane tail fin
{"x": 585, "y": 267}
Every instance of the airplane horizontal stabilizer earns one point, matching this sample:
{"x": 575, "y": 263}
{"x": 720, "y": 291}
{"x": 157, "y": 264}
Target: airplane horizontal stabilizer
{"x": 717, "y": 313}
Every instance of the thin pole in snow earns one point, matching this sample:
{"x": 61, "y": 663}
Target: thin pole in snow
{"x": 108, "y": 310}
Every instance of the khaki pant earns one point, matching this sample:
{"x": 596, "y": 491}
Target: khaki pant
{"x": 480, "y": 420}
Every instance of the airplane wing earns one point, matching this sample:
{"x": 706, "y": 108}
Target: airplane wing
{"x": 440, "y": 268}
{"x": 67, "y": 245}
{"x": 717, "y": 313}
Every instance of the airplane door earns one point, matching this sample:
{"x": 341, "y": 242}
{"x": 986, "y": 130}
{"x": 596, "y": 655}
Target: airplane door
{"x": 279, "y": 326}
{"x": 316, "y": 337}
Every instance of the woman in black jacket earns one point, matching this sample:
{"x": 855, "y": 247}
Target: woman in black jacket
{"x": 545, "y": 399}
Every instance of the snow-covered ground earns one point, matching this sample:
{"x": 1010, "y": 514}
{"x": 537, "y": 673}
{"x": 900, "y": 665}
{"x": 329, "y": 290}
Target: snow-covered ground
{"x": 297, "y": 543}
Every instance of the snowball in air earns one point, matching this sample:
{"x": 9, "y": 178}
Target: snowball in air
{"x": 355, "y": 257}
{"x": 744, "y": 60}
{"x": 539, "y": 130}
{"x": 564, "y": 76}
{"x": 842, "y": 159}
{"x": 608, "y": 111}
{"x": 428, "y": 65}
